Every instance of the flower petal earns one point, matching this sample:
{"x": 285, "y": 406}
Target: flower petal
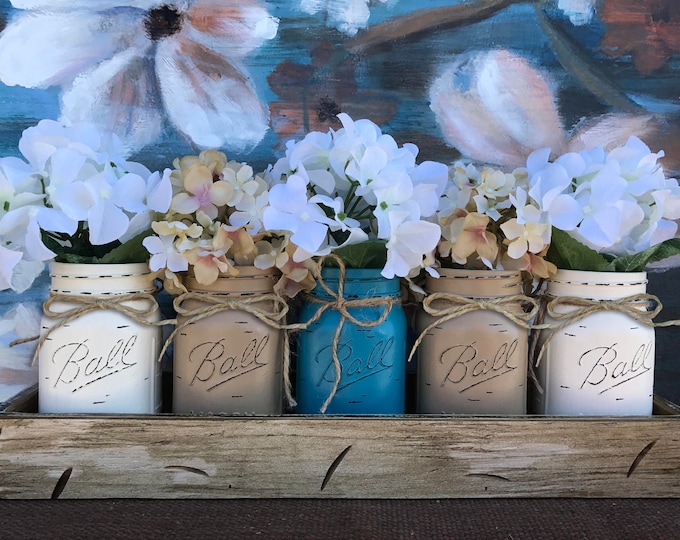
{"x": 119, "y": 96}
{"x": 8, "y": 260}
{"x": 210, "y": 100}
{"x": 159, "y": 193}
{"x": 129, "y": 193}
{"x": 37, "y": 51}
{"x": 106, "y": 223}
{"x": 239, "y": 27}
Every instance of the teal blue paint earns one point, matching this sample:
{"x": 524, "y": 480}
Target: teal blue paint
{"x": 373, "y": 359}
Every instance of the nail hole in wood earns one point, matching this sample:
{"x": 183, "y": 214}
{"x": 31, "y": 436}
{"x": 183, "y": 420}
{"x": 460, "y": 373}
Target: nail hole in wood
{"x": 187, "y": 469}
{"x": 61, "y": 483}
{"x": 334, "y": 466}
{"x": 640, "y": 457}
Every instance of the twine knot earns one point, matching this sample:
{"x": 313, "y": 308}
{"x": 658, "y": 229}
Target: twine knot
{"x": 343, "y": 306}
{"x": 635, "y": 306}
{"x": 630, "y": 305}
{"x": 452, "y": 306}
{"x": 84, "y": 304}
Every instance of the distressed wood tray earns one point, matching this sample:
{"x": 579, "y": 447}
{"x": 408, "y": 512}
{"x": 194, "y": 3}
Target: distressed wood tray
{"x": 168, "y": 456}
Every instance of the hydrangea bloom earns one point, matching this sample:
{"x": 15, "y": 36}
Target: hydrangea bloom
{"x": 214, "y": 223}
{"x": 617, "y": 203}
{"x": 125, "y": 65}
{"x": 488, "y": 221}
{"x": 74, "y": 197}
{"x": 356, "y": 184}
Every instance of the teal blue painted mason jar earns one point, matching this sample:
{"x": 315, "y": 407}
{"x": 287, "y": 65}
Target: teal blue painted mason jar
{"x": 372, "y": 358}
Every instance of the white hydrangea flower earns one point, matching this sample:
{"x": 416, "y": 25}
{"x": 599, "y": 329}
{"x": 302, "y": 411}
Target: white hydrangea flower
{"x": 615, "y": 202}
{"x": 359, "y": 182}
{"x": 74, "y": 178}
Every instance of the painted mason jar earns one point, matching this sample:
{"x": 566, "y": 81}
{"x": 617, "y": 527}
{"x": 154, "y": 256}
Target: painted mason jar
{"x": 475, "y": 363}
{"x": 602, "y": 364}
{"x": 372, "y": 358}
{"x": 101, "y": 361}
{"x": 231, "y": 361}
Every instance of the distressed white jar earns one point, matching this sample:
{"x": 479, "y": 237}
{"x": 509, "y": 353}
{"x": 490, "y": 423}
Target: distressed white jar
{"x": 602, "y": 364}
{"x": 102, "y": 361}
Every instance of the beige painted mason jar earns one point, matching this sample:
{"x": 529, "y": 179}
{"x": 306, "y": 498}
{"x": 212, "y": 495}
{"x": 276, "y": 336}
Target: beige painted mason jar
{"x": 102, "y": 361}
{"x": 475, "y": 363}
{"x": 230, "y": 362}
{"x": 602, "y": 364}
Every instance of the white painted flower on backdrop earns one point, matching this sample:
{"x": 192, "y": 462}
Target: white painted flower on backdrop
{"x": 128, "y": 66}
{"x": 495, "y": 107}
{"x": 580, "y": 12}
{"x": 348, "y": 16}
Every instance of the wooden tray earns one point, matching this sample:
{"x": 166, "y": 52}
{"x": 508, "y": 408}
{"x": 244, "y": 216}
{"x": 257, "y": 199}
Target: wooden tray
{"x": 169, "y": 456}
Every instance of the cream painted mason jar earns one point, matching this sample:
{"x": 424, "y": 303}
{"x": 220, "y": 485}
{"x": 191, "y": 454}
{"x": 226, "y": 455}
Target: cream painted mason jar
{"x": 102, "y": 361}
{"x": 475, "y": 363}
{"x": 230, "y": 362}
{"x": 602, "y": 364}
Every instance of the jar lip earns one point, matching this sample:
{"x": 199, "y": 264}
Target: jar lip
{"x": 85, "y": 270}
{"x": 586, "y": 277}
{"x": 333, "y": 273}
{"x": 251, "y": 279}
{"x": 462, "y": 273}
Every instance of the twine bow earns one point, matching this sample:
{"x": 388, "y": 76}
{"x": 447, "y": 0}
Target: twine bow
{"x": 90, "y": 303}
{"x": 585, "y": 307}
{"x": 456, "y": 306}
{"x": 343, "y": 305}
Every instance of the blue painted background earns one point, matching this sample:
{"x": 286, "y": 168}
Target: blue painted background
{"x": 391, "y": 82}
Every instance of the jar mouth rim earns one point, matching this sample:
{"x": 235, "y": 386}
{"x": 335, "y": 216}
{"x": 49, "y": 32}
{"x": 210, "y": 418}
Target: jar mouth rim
{"x": 87, "y": 270}
{"x": 462, "y": 273}
{"x": 578, "y": 277}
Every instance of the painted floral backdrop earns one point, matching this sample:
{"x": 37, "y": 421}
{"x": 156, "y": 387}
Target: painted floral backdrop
{"x": 486, "y": 79}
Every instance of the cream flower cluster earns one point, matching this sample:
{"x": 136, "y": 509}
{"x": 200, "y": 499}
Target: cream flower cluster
{"x": 74, "y": 187}
{"x": 214, "y": 224}
{"x": 488, "y": 221}
{"x": 354, "y": 185}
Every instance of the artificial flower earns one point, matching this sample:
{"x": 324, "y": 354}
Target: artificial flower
{"x": 214, "y": 222}
{"x": 75, "y": 199}
{"x": 488, "y": 221}
{"x": 355, "y": 188}
{"x": 612, "y": 208}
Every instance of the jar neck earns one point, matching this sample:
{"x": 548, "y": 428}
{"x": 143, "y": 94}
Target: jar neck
{"x": 597, "y": 285}
{"x": 475, "y": 283}
{"x": 101, "y": 279}
{"x": 250, "y": 280}
{"x": 358, "y": 283}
